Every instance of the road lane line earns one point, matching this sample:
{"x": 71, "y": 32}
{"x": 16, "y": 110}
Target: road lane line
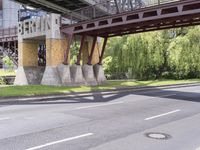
{"x": 100, "y": 105}
{"x": 6, "y": 118}
{"x": 60, "y": 141}
{"x": 168, "y": 113}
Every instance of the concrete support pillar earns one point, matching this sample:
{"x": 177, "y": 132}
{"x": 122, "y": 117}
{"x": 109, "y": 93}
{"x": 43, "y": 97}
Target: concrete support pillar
{"x": 98, "y": 68}
{"x": 65, "y": 76}
{"x": 77, "y": 75}
{"x": 56, "y": 45}
{"x": 99, "y": 74}
{"x": 88, "y": 74}
{"x": 88, "y": 71}
{"x": 55, "y": 50}
{"x": 28, "y": 71}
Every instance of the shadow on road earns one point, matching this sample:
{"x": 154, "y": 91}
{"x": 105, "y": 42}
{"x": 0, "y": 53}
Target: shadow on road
{"x": 102, "y": 97}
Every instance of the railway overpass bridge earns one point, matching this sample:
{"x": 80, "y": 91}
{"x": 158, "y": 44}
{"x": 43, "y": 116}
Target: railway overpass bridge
{"x": 86, "y": 21}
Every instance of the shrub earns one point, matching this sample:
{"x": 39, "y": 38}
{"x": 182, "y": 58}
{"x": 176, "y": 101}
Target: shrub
{"x": 2, "y": 81}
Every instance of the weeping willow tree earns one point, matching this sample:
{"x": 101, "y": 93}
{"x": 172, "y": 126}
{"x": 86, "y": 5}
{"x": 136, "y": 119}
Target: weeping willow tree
{"x": 184, "y": 56}
{"x": 115, "y": 63}
{"x": 137, "y": 57}
{"x": 162, "y": 54}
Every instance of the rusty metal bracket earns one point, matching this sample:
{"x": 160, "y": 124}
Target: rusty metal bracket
{"x": 92, "y": 50}
{"x": 66, "y": 56}
{"x": 103, "y": 50}
{"x": 80, "y": 50}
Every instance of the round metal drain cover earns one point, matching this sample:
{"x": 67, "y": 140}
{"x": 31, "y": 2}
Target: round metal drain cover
{"x": 157, "y": 135}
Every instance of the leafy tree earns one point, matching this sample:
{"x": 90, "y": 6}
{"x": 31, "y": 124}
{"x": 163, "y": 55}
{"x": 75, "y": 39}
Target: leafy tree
{"x": 170, "y": 53}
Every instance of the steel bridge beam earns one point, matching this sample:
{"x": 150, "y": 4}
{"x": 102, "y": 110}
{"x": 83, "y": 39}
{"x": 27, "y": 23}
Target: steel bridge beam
{"x": 103, "y": 50}
{"x": 92, "y": 50}
{"x": 80, "y": 50}
{"x": 145, "y": 19}
{"x": 66, "y": 56}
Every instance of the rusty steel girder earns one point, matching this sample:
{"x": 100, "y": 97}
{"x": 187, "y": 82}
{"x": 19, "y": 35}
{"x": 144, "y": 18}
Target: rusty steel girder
{"x": 164, "y": 16}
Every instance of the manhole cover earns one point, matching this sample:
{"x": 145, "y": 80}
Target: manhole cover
{"x": 157, "y": 135}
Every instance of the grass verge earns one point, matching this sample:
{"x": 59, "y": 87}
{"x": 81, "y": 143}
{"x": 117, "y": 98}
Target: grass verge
{"x": 7, "y": 72}
{"x": 9, "y": 91}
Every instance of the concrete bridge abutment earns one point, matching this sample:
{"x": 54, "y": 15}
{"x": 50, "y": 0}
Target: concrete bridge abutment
{"x": 58, "y": 71}
{"x": 28, "y": 71}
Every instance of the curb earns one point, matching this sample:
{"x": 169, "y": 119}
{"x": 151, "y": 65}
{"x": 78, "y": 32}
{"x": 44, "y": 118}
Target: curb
{"x": 82, "y": 94}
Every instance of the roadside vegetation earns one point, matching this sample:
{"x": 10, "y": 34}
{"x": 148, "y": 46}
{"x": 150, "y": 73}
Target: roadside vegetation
{"x": 166, "y": 54}
{"x": 8, "y": 91}
{"x": 7, "y": 72}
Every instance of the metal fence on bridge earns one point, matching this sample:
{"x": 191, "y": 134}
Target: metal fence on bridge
{"x": 8, "y": 32}
{"x": 110, "y": 7}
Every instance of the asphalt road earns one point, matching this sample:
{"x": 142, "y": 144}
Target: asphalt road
{"x": 117, "y": 121}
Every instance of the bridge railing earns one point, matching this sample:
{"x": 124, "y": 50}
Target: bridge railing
{"x": 6, "y": 32}
{"x": 109, "y": 7}
{"x": 90, "y": 12}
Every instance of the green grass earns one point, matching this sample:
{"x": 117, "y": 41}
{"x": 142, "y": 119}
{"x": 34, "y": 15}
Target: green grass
{"x": 6, "y": 91}
{"x": 7, "y": 72}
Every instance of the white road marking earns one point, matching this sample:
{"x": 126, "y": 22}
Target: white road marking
{"x": 168, "y": 113}
{"x": 6, "y": 118}
{"x": 100, "y": 105}
{"x": 60, "y": 141}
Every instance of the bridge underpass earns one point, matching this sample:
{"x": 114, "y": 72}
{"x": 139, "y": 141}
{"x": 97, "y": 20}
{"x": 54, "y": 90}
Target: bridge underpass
{"x": 122, "y": 20}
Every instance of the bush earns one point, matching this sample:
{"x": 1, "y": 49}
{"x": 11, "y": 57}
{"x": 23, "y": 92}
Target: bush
{"x": 2, "y": 81}
{"x": 8, "y": 62}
